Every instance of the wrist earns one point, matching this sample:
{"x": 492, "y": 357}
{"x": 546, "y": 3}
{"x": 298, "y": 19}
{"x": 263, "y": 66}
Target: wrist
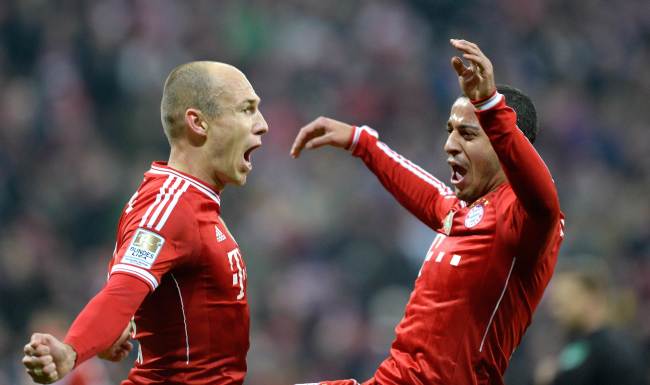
{"x": 351, "y": 139}
{"x": 486, "y": 104}
{"x": 70, "y": 358}
{"x": 358, "y": 136}
{"x": 483, "y": 99}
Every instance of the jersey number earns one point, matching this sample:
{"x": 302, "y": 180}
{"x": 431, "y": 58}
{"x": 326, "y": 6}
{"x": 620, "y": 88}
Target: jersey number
{"x": 435, "y": 245}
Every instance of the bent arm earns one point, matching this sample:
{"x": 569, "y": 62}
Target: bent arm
{"x": 103, "y": 319}
{"x": 529, "y": 177}
{"x": 418, "y": 191}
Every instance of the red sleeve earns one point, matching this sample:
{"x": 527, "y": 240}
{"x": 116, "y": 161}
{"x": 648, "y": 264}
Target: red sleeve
{"x": 104, "y": 318}
{"x": 148, "y": 252}
{"x": 418, "y": 191}
{"x": 529, "y": 177}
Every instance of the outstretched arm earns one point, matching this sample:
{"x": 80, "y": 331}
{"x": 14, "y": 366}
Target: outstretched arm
{"x": 419, "y": 192}
{"x": 95, "y": 330}
{"x": 528, "y": 175}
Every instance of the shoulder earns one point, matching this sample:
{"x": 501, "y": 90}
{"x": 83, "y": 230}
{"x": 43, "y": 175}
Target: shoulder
{"x": 160, "y": 205}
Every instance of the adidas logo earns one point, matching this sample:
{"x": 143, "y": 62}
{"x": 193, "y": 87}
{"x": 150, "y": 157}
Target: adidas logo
{"x": 220, "y": 236}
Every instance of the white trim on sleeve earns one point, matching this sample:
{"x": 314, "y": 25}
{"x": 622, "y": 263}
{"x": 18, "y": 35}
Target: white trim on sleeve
{"x": 139, "y": 272}
{"x": 357, "y": 136}
{"x": 491, "y": 102}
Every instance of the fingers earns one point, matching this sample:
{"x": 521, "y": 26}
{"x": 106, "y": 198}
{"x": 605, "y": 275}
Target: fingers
{"x": 460, "y": 67}
{"x": 319, "y": 141}
{"x": 38, "y": 360}
{"x": 466, "y": 46}
{"x": 128, "y": 346}
{"x": 42, "y": 369}
{"x": 36, "y": 350}
{"x": 117, "y": 353}
{"x": 38, "y": 345}
{"x": 306, "y": 134}
{"x": 471, "y": 52}
{"x": 301, "y": 139}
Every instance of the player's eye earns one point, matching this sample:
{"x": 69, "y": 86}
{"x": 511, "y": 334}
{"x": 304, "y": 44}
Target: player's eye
{"x": 468, "y": 135}
{"x": 250, "y": 109}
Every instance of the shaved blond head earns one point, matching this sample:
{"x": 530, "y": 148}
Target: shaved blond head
{"x": 197, "y": 85}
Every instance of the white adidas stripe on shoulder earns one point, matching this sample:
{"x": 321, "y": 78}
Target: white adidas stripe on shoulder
{"x": 171, "y": 206}
{"x": 157, "y": 201}
{"x": 416, "y": 170}
{"x": 163, "y": 202}
{"x": 201, "y": 187}
{"x": 137, "y": 271}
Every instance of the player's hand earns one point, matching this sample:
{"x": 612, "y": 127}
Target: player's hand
{"x": 320, "y": 132}
{"x": 47, "y": 359}
{"x": 476, "y": 80}
{"x": 120, "y": 348}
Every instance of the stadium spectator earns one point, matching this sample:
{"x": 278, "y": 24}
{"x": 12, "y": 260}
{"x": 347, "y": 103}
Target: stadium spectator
{"x": 596, "y": 353}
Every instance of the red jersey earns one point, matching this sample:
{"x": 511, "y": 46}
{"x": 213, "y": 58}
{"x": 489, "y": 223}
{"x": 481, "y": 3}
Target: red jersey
{"x": 485, "y": 271}
{"x": 193, "y": 327}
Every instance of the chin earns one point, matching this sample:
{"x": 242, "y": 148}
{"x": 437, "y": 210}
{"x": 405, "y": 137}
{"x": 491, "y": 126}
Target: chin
{"x": 240, "y": 181}
{"x": 466, "y": 196}
{"x": 460, "y": 195}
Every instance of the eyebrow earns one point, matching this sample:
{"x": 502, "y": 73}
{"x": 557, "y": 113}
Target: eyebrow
{"x": 465, "y": 126}
{"x": 252, "y": 101}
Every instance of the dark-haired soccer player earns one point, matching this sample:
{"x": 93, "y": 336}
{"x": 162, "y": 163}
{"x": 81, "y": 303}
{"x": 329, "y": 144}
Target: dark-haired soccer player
{"x": 499, "y": 231}
{"x": 176, "y": 268}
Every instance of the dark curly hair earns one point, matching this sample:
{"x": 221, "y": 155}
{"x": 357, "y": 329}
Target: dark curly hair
{"x": 525, "y": 109}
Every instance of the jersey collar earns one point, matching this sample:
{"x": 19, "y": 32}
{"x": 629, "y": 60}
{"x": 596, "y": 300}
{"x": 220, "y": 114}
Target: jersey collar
{"x": 211, "y": 191}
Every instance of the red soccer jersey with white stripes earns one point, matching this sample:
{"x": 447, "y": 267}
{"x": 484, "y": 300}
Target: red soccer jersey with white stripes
{"x": 193, "y": 327}
{"x": 487, "y": 267}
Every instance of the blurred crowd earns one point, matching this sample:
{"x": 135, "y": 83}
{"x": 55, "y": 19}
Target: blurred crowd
{"x": 331, "y": 257}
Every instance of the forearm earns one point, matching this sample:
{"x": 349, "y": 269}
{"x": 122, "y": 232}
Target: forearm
{"x": 529, "y": 177}
{"x": 418, "y": 191}
{"x": 103, "y": 319}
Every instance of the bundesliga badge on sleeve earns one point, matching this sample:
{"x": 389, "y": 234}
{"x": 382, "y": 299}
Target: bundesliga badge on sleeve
{"x": 446, "y": 224}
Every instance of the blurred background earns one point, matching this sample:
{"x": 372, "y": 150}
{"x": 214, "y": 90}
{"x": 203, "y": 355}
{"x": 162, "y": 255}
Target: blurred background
{"x": 331, "y": 257}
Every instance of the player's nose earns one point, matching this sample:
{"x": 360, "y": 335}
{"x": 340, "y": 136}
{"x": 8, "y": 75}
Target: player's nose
{"x": 452, "y": 147}
{"x": 261, "y": 127}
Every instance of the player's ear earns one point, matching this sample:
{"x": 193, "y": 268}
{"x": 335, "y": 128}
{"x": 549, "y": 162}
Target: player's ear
{"x": 196, "y": 123}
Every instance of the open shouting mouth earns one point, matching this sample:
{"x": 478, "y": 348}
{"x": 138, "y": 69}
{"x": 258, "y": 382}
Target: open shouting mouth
{"x": 248, "y": 155}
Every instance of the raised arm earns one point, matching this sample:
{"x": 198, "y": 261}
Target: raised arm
{"x": 529, "y": 177}
{"x": 423, "y": 195}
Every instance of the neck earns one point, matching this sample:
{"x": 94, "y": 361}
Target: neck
{"x": 187, "y": 163}
{"x": 497, "y": 180}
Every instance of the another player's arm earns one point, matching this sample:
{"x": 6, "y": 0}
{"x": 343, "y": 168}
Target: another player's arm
{"x": 529, "y": 177}
{"x": 94, "y": 331}
{"x": 423, "y": 195}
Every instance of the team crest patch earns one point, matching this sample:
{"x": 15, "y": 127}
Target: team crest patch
{"x": 144, "y": 249}
{"x": 474, "y": 216}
